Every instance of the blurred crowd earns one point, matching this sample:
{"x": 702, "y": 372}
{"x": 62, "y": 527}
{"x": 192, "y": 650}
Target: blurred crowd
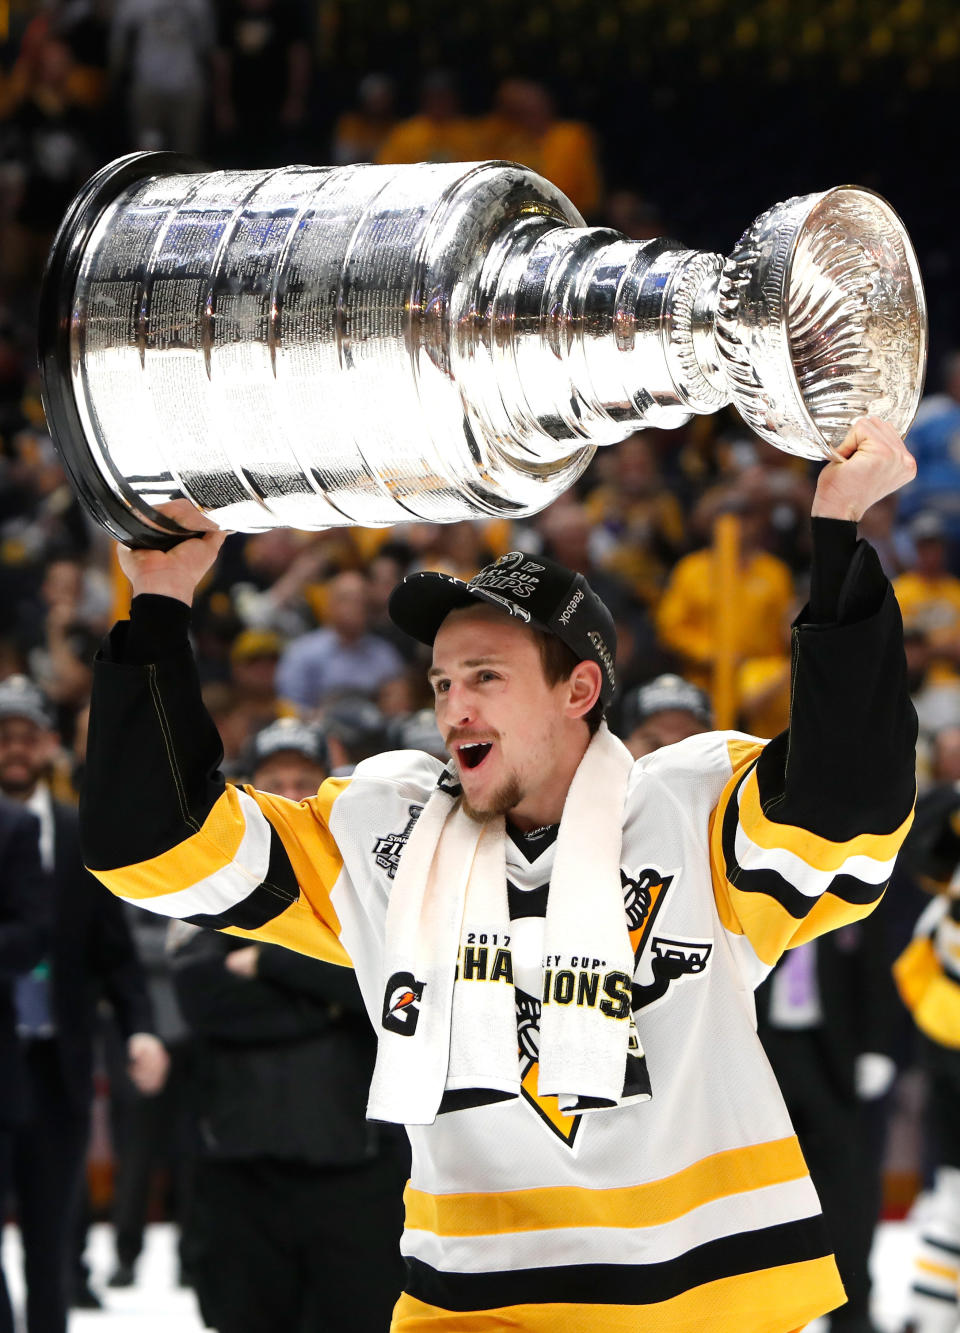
{"x": 305, "y": 676}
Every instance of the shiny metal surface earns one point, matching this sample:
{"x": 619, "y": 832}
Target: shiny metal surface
{"x": 312, "y": 347}
{"x": 821, "y": 318}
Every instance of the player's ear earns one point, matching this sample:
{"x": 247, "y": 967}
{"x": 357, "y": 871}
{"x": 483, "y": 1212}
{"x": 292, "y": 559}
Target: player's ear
{"x": 583, "y": 688}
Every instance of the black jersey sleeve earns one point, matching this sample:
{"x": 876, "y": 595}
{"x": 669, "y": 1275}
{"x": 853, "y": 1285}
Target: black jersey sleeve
{"x": 160, "y": 826}
{"x": 806, "y": 832}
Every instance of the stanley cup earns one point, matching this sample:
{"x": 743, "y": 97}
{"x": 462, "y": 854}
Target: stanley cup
{"x": 311, "y": 347}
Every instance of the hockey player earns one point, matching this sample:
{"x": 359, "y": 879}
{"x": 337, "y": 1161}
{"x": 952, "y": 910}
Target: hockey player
{"x": 635, "y": 1167}
{"x": 928, "y": 977}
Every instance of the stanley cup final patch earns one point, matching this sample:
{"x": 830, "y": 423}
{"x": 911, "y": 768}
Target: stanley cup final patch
{"x": 387, "y": 850}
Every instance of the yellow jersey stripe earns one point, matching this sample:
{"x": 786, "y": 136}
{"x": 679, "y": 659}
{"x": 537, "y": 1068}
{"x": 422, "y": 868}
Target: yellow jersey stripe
{"x": 718, "y": 873}
{"x": 733, "y": 1171}
{"x": 304, "y": 830}
{"x": 946, "y": 1271}
{"x": 915, "y": 969}
{"x": 818, "y": 853}
{"x": 208, "y": 850}
{"x": 303, "y": 930}
{"x": 767, "y": 924}
{"x": 771, "y": 929}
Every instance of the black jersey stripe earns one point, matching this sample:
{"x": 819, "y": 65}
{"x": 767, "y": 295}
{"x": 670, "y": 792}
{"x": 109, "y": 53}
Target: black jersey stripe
{"x": 273, "y": 895}
{"x": 772, "y": 883}
{"x": 464, "y": 1099}
{"x": 948, "y": 1296}
{"x": 620, "y": 1284}
{"x": 942, "y": 1245}
{"x": 526, "y": 902}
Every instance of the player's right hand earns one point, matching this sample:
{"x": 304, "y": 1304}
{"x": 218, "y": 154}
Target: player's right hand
{"x": 173, "y": 573}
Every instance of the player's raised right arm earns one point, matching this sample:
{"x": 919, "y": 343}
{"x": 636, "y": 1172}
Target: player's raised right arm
{"x": 160, "y": 826}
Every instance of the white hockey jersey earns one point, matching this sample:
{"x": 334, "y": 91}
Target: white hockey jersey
{"x": 688, "y": 1213}
{"x": 691, "y": 1211}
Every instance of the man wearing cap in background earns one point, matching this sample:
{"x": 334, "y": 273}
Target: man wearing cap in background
{"x": 417, "y": 731}
{"x": 597, "y": 1144}
{"x": 297, "y": 1204}
{"x": 665, "y": 710}
{"x": 90, "y": 954}
{"x": 355, "y": 729}
{"x": 289, "y": 758}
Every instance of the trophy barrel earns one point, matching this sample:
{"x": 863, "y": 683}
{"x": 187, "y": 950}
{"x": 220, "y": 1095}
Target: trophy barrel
{"x": 313, "y": 347}
{"x": 102, "y": 494}
{"x": 278, "y": 347}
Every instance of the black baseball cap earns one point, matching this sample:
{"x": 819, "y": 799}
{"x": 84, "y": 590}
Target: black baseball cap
{"x": 667, "y": 693}
{"x": 355, "y": 721}
{"x": 542, "y": 593}
{"x": 417, "y": 731}
{"x": 289, "y": 733}
{"x": 21, "y": 698}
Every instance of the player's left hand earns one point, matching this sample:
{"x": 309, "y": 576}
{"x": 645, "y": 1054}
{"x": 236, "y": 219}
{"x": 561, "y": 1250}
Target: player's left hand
{"x": 875, "y": 462}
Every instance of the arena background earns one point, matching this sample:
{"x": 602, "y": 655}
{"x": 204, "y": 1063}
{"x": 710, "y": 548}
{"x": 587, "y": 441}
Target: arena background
{"x": 706, "y": 112}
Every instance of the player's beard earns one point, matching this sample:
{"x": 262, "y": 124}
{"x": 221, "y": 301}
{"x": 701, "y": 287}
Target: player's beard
{"x": 500, "y": 802}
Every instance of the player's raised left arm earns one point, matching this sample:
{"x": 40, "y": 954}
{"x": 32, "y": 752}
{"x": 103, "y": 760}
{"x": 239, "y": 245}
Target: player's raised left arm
{"x": 807, "y": 829}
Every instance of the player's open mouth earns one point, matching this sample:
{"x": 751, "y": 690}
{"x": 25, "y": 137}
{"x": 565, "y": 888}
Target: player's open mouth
{"x": 473, "y": 753}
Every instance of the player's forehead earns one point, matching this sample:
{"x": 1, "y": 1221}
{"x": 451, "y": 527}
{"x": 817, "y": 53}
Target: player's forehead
{"x": 471, "y": 633}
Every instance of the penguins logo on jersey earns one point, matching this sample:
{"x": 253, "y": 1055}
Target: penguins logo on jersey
{"x": 643, "y": 896}
{"x": 671, "y": 961}
{"x": 401, "y": 1003}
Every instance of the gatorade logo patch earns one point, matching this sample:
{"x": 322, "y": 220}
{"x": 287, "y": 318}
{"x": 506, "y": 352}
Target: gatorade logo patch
{"x": 401, "y": 1003}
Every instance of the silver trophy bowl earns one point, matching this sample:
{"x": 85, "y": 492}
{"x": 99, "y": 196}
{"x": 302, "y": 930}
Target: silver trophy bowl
{"x": 312, "y": 347}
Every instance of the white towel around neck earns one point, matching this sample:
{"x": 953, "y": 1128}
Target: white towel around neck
{"x": 445, "y": 1031}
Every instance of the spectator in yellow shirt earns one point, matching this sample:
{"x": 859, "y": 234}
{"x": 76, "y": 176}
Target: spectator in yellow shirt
{"x": 524, "y": 128}
{"x": 438, "y": 133}
{"x": 687, "y": 615}
{"x": 639, "y": 519}
{"x": 929, "y": 597}
{"x": 763, "y": 686}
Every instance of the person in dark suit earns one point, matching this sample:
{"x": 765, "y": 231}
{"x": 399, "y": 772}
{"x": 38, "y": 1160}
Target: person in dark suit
{"x": 89, "y": 953}
{"x": 826, "y": 1019}
{"x": 23, "y": 938}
